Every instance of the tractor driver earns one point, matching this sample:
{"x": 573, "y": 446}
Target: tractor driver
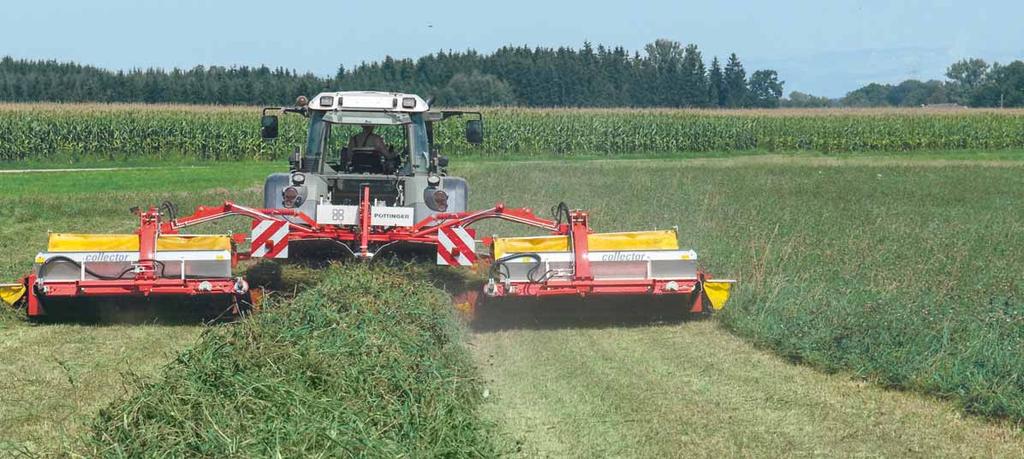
{"x": 367, "y": 140}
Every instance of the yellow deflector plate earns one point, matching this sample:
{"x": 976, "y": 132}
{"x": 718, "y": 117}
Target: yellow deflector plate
{"x": 597, "y": 242}
{"x": 717, "y": 292}
{"x": 11, "y": 293}
{"x": 72, "y": 242}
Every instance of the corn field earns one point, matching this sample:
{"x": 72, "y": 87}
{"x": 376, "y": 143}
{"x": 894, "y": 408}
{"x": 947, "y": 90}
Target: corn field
{"x": 92, "y": 131}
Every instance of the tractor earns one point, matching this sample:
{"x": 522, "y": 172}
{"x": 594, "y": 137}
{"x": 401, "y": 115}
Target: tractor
{"x": 404, "y": 171}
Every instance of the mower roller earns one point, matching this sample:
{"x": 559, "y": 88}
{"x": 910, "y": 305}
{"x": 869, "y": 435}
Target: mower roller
{"x": 371, "y": 198}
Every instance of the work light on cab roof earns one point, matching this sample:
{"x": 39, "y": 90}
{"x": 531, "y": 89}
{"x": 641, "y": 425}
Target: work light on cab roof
{"x": 367, "y": 100}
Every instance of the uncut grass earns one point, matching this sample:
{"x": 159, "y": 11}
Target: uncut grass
{"x": 365, "y": 363}
{"x": 903, "y": 273}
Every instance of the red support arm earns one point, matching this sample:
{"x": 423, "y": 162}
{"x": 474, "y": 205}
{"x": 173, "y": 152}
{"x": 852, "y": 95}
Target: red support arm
{"x": 365, "y": 216}
{"x": 580, "y": 246}
{"x": 208, "y": 214}
{"x": 149, "y": 225}
{"x": 424, "y": 231}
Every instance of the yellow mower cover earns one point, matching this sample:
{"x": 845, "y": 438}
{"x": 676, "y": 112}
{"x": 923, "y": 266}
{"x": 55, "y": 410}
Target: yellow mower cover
{"x": 76, "y": 242}
{"x": 597, "y": 242}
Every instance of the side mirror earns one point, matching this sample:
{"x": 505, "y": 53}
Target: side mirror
{"x": 268, "y": 127}
{"x": 442, "y": 161}
{"x": 475, "y": 132}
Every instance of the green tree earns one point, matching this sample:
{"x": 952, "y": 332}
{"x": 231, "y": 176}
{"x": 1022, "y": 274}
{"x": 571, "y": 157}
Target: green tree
{"x": 799, "y": 99}
{"x": 716, "y": 84}
{"x": 872, "y": 95}
{"x": 663, "y": 73}
{"x": 476, "y": 88}
{"x": 669, "y": 75}
{"x": 765, "y": 89}
{"x": 914, "y": 93}
{"x": 694, "y": 78}
{"x": 664, "y": 54}
{"x": 966, "y": 76}
{"x": 735, "y": 83}
{"x": 1003, "y": 86}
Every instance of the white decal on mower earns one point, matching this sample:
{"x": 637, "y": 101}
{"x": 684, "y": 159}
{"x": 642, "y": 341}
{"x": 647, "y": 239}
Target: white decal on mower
{"x": 329, "y": 214}
{"x": 624, "y": 256}
{"x": 270, "y": 239}
{"x": 392, "y": 216}
{"x": 455, "y": 247}
{"x": 106, "y": 257}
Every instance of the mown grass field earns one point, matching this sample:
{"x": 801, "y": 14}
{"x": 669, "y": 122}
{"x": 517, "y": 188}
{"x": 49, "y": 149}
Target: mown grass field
{"x": 907, "y": 273}
{"x": 899, "y": 272}
{"x": 89, "y": 132}
{"x": 889, "y": 272}
{"x": 54, "y": 378}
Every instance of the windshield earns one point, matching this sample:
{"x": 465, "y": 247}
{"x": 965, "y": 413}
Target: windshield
{"x": 366, "y": 142}
{"x": 367, "y": 148}
{"x": 374, "y": 118}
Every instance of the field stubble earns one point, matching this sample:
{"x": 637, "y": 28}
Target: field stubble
{"x": 902, "y": 273}
{"x": 54, "y": 377}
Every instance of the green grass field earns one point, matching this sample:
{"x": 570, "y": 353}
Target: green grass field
{"x": 54, "y": 378}
{"x": 898, "y": 272}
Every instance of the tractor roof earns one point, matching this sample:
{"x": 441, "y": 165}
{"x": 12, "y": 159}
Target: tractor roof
{"x": 368, "y": 101}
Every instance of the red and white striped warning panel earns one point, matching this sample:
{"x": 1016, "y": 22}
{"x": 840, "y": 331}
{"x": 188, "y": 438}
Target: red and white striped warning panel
{"x": 455, "y": 247}
{"x": 270, "y": 239}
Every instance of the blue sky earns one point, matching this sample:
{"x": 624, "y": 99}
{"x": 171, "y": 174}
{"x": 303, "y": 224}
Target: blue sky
{"x": 822, "y": 47}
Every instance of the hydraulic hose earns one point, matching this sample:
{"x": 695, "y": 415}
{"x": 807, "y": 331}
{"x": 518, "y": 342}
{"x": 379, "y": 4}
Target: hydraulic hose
{"x": 63, "y": 259}
{"x": 559, "y": 211}
{"x": 561, "y": 214}
{"x": 531, "y": 275}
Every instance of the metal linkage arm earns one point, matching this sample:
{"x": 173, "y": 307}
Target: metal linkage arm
{"x": 522, "y": 216}
{"x": 302, "y": 227}
{"x": 205, "y": 214}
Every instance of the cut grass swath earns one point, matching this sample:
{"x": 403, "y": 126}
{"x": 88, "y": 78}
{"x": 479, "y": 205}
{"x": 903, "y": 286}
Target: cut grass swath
{"x": 365, "y": 363}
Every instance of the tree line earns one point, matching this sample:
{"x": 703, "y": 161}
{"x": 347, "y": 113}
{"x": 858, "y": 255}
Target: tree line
{"x": 667, "y": 74}
{"x": 52, "y": 81}
{"x": 969, "y": 82}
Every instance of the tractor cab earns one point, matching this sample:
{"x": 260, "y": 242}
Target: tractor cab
{"x": 357, "y": 139}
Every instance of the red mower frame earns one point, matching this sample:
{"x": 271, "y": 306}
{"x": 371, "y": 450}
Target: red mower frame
{"x": 144, "y": 281}
{"x": 581, "y": 284}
